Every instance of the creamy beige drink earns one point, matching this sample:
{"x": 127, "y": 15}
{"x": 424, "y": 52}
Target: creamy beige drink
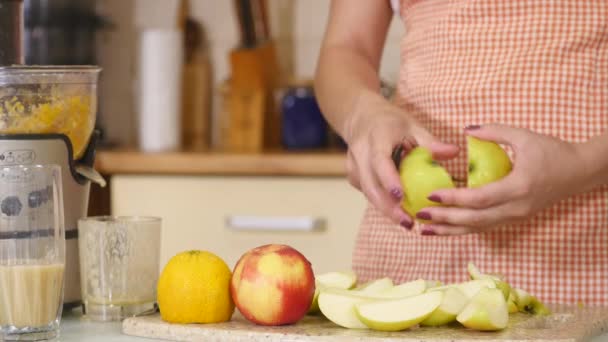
{"x": 30, "y": 294}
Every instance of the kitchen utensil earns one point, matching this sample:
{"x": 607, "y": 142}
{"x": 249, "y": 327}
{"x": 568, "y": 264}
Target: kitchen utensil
{"x": 303, "y": 124}
{"x": 32, "y": 251}
{"x": 119, "y": 265}
{"x": 197, "y": 85}
{"x": 567, "y": 324}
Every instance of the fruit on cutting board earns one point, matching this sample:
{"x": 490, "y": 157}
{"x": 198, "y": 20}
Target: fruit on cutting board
{"x": 339, "y": 280}
{"x": 338, "y": 306}
{"x": 528, "y": 303}
{"x": 194, "y": 287}
{"x": 421, "y": 175}
{"x": 486, "y": 311}
{"x": 478, "y": 304}
{"x": 476, "y": 274}
{"x": 273, "y": 285}
{"x": 375, "y": 286}
{"x": 452, "y": 303}
{"x": 488, "y": 162}
{"x": 408, "y": 289}
{"x": 398, "y": 314}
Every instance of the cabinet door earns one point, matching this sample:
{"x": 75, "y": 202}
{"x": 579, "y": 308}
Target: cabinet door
{"x": 229, "y": 215}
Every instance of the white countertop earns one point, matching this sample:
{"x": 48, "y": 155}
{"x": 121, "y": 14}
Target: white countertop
{"x": 76, "y": 328}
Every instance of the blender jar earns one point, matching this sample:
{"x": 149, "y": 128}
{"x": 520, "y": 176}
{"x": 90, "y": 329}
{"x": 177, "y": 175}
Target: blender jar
{"x": 50, "y": 99}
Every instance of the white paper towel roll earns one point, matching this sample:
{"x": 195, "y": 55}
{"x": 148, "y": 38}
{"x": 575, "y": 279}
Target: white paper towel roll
{"x": 161, "y": 60}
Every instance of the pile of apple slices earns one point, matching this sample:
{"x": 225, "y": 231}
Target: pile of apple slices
{"x": 482, "y": 303}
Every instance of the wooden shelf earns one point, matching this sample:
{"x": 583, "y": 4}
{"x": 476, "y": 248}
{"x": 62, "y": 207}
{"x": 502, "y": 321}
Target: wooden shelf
{"x": 331, "y": 163}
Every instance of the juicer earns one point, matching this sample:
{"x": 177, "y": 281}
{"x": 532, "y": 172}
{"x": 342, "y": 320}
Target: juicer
{"x": 47, "y": 116}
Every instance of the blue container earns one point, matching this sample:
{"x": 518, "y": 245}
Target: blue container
{"x": 303, "y": 124}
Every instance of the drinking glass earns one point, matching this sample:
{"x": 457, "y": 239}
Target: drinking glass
{"x": 32, "y": 252}
{"x": 119, "y": 265}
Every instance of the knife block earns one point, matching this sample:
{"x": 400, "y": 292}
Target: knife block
{"x": 251, "y": 117}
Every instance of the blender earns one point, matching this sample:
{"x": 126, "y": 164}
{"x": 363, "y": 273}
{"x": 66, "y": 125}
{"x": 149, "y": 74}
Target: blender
{"x": 47, "y": 116}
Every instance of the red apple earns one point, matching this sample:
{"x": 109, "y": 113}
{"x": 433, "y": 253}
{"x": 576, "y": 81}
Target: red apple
{"x": 273, "y": 285}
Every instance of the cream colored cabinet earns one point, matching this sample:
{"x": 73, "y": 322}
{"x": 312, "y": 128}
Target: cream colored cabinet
{"x": 230, "y": 215}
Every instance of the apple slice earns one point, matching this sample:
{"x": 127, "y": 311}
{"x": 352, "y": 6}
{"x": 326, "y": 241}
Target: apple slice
{"x": 487, "y": 311}
{"x": 500, "y": 283}
{"x": 433, "y": 283}
{"x": 403, "y": 290}
{"x": 338, "y": 306}
{"x": 451, "y": 305}
{"x": 529, "y": 303}
{"x": 340, "y": 280}
{"x": 488, "y": 162}
{"x": 398, "y": 314}
{"x": 512, "y": 303}
{"x": 471, "y": 287}
{"x": 375, "y": 286}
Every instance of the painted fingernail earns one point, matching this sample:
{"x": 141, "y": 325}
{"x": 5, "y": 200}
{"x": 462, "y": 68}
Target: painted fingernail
{"x": 472, "y": 127}
{"x": 407, "y": 224}
{"x": 397, "y": 193}
{"x": 428, "y": 232}
{"x": 423, "y": 215}
{"x": 435, "y": 198}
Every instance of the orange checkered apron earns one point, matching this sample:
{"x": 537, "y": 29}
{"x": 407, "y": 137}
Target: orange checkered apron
{"x": 542, "y": 65}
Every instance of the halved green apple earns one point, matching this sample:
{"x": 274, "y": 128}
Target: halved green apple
{"x": 375, "y": 286}
{"x": 486, "y": 311}
{"x": 340, "y": 280}
{"x": 476, "y": 274}
{"x": 338, "y": 306}
{"x": 529, "y": 303}
{"x": 398, "y": 314}
{"x": 452, "y": 303}
{"x": 488, "y": 162}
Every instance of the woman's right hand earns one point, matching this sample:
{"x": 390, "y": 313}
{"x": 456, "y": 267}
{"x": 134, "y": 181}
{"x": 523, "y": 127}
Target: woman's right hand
{"x": 372, "y": 133}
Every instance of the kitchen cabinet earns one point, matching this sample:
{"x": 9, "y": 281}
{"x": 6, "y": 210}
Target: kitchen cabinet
{"x": 232, "y": 212}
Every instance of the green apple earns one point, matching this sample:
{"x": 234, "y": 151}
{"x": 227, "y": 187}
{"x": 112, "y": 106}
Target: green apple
{"x": 452, "y": 303}
{"x": 472, "y": 287}
{"x": 398, "y": 314}
{"x": 488, "y": 162}
{"x": 486, "y": 311}
{"x": 403, "y": 290}
{"x": 420, "y": 176}
{"x": 500, "y": 283}
{"x": 338, "y": 306}
{"x": 340, "y": 280}
{"x": 530, "y": 304}
{"x": 375, "y": 286}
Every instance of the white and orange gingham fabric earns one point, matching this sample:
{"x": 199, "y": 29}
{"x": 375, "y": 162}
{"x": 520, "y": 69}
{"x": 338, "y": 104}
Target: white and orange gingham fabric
{"x": 542, "y": 65}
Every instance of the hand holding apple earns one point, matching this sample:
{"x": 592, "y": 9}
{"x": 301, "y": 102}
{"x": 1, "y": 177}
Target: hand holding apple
{"x": 545, "y": 171}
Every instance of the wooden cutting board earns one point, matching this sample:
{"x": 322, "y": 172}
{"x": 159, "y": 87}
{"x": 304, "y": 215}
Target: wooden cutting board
{"x": 567, "y": 324}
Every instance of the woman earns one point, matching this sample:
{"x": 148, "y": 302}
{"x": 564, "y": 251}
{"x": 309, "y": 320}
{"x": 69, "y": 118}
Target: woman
{"x": 532, "y": 75}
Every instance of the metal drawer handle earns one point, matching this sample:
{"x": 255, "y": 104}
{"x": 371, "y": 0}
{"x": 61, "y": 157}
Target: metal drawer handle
{"x": 275, "y": 223}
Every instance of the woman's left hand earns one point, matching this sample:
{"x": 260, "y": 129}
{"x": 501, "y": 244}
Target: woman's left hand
{"x": 545, "y": 170}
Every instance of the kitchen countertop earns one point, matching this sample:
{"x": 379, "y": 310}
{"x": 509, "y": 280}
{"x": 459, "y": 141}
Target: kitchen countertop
{"x": 76, "y": 328}
{"x": 271, "y": 163}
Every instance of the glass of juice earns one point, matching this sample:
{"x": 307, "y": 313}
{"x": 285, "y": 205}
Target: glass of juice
{"x": 32, "y": 252}
{"x": 119, "y": 265}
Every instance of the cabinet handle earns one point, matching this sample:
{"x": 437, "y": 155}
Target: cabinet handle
{"x": 276, "y": 223}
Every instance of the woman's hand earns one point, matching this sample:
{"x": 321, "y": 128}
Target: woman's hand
{"x": 545, "y": 170}
{"x": 372, "y": 133}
